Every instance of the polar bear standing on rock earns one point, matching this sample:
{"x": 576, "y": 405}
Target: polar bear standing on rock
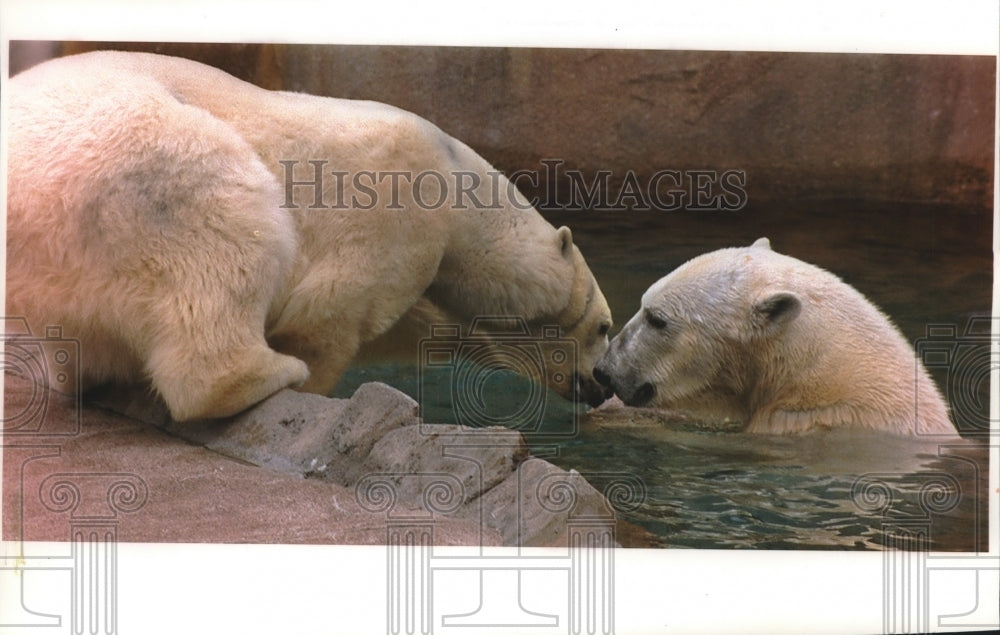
{"x": 223, "y": 241}
{"x": 750, "y": 335}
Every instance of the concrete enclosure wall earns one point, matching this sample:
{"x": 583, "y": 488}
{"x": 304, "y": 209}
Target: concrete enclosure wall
{"x": 802, "y": 126}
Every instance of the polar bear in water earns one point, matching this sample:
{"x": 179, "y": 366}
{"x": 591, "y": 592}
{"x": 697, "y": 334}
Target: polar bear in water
{"x": 753, "y": 336}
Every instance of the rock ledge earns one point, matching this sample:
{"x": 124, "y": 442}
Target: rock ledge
{"x": 300, "y": 468}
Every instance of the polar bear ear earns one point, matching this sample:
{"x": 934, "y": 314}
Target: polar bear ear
{"x": 565, "y": 240}
{"x": 777, "y": 309}
{"x": 762, "y": 243}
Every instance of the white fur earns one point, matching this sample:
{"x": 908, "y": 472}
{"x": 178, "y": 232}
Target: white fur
{"x": 753, "y": 336}
{"x": 145, "y": 218}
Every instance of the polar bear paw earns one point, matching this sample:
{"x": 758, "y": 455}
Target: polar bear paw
{"x": 258, "y": 375}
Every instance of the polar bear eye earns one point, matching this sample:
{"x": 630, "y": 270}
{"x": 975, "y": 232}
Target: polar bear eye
{"x": 603, "y": 329}
{"x": 655, "y": 321}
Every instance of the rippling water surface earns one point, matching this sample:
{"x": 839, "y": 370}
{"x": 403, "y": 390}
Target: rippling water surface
{"x": 840, "y": 489}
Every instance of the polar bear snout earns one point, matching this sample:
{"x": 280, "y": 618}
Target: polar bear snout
{"x": 641, "y": 396}
{"x": 592, "y": 390}
{"x": 628, "y": 391}
{"x": 606, "y": 374}
{"x": 613, "y": 374}
{"x": 604, "y": 370}
{"x": 601, "y": 376}
{"x": 606, "y": 383}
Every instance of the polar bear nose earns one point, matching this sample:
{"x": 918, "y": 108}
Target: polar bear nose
{"x": 590, "y": 391}
{"x": 642, "y": 396}
{"x": 602, "y": 377}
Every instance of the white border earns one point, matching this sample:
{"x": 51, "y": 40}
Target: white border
{"x": 855, "y": 26}
{"x": 266, "y": 589}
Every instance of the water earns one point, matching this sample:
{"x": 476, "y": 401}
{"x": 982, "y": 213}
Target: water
{"x": 818, "y": 491}
{"x": 847, "y": 490}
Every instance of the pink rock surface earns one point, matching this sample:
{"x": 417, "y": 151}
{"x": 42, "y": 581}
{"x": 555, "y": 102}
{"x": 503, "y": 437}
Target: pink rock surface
{"x": 294, "y": 469}
{"x": 191, "y": 494}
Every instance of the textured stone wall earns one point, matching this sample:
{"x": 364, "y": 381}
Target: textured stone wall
{"x": 802, "y": 126}
{"x": 888, "y": 127}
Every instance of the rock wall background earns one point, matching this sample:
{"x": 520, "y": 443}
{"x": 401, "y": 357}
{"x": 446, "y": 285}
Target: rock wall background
{"x": 803, "y": 126}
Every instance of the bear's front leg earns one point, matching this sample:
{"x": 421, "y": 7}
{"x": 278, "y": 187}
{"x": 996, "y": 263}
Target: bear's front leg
{"x": 210, "y": 386}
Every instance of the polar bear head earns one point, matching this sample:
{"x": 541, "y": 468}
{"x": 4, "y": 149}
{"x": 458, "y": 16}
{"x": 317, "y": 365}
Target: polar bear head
{"x": 585, "y": 319}
{"x": 514, "y": 263}
{"x": 748, "y": 335}
{"x": 696, "y": 329}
